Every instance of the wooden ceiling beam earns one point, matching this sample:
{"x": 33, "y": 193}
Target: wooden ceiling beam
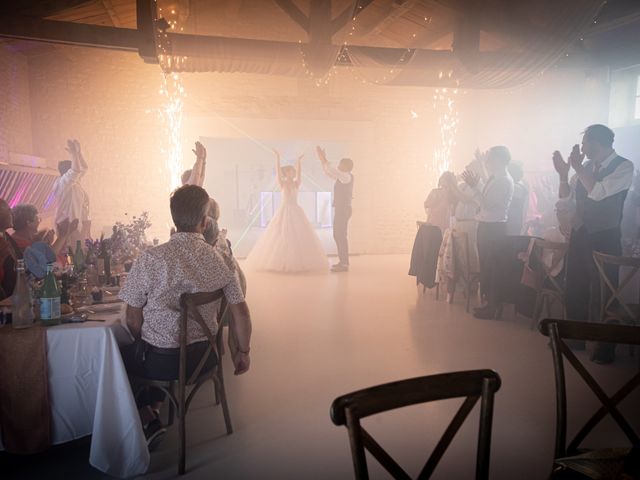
{"x": 108, "y": 5}
{"x": 54, "y": 31}
{"x": 294, "y": 13}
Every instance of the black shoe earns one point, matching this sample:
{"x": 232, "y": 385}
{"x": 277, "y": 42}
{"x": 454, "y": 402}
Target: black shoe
{"x": 340, "y": 267}
{"x": 154, "y": 432}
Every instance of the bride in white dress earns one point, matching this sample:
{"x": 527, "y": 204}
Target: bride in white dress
{"x": 289, "y": 244}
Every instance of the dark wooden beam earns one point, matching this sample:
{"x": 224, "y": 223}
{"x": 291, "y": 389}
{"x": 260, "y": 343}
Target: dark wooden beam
{"x": 320, "y": 30}
{"x": 294, "y": 13}
{"x": 466, "y": 35}
{"x": 146, "y": 17}
{"x": 52, "y": 31}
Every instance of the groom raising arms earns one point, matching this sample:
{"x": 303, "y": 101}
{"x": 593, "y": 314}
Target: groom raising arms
{"x": 342, "y": 196}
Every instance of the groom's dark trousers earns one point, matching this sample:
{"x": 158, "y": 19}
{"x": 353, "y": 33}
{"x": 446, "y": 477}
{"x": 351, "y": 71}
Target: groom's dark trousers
{"x": 340, "y": 231}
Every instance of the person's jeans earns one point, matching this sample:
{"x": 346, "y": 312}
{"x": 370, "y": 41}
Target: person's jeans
{"x": 340, "y": 232}
{"x": 491, "y": 236}
{"x": 148, "y": 362}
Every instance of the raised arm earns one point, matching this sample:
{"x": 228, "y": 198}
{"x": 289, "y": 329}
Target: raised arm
{"x": 298, "y": 180}
{"x": 278, "y": 171}
{"x": 65, "y": 229}
{"x": 562, "y": 168}
{"x": 198, "y": 170}
{"x": 78, "y": 164}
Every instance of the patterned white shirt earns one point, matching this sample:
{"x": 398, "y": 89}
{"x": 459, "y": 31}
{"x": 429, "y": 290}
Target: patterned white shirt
{"x": 185, "y": 264}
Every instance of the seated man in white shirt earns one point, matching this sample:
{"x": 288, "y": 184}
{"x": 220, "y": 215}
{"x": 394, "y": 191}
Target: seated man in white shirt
{"x": 493, "y": 199}
{"x": 159, "y": 276}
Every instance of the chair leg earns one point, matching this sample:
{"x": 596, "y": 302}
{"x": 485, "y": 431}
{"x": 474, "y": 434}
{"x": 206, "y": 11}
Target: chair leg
{"x": 171, "y": 415}
{"x": 225, "y": 406}
{"x": 182, "y": 437}
{"x": 452, "y": 290}
{"x": 535, "y": 316}
{"x": 172, "y": 411}
{"x": 216, "y": 385}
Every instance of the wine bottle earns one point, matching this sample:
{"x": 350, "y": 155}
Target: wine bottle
{"x": 21, "y": 300}
{"x": 78, "y": 258}
{"x": 50, "y": 299}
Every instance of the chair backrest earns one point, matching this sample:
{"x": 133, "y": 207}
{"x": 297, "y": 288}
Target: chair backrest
{"x": 560, "y": 330}
{"x": 610, "y": 293}
{"x": 189, "y": 303}
{"x": 474, "y": 385}
{"x": 558, "y": 252}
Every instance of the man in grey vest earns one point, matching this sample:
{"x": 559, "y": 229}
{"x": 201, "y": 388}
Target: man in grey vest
{"x": 342, "y": 196}
{"x": 599, "y": 188}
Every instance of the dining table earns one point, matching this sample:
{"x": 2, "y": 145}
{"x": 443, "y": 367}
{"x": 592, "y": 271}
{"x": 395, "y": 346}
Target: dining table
{"x": 89, "y": 390}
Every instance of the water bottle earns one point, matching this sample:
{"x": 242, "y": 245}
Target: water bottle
{"x": 21, "y": 299}
{"x": 50, "y": 299}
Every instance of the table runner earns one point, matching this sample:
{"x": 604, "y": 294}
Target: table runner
{"x": 25, "y": 412}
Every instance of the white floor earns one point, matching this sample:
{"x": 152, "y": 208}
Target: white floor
{"x": 319, "y": 336}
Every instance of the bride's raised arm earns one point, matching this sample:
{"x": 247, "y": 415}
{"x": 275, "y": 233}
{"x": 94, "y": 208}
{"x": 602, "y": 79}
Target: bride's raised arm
{"x": 298, "y": 180}
{"x": 278, "y": 168}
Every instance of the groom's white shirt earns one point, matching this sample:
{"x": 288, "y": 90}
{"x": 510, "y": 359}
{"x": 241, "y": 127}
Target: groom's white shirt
{"x": 342, "y": 177}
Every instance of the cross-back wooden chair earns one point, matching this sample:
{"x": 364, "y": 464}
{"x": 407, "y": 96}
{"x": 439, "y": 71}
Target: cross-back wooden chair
{"x": 474, "y": 385}
{"x": 612, "y": 304}
{"x": 176, "y": 390}
{"x": 462, "y": 259}
{"x": 550, "y": 288}
{"x": 559, "y": 331}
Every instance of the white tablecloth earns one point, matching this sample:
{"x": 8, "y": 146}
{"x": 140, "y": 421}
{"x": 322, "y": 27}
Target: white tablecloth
{"x": 90, "y": 395}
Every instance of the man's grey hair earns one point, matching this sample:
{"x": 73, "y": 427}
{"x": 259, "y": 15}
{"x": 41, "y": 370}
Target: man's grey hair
{"x": 22, "y": 214}
{"x": 189, "y": 204}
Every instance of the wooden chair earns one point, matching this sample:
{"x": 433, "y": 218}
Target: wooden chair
{"x": 550, "y": 289}
{"x": 612, "y": 304}
{"x": 462, "y": 259}
{"x": 474, "y": 385}
{"x": 559, "y": 331}
{"x": 181, "y": 401}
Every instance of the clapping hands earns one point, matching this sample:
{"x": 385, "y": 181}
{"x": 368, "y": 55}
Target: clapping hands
{"x": 470, "y": 178}
{"x": 479, "y": 155}
{"x": 576, "y": 157}
{"x": 560, "y": 165}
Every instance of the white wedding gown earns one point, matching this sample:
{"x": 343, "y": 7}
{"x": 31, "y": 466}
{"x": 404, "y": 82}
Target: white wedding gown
{"x": 289, "y": 244}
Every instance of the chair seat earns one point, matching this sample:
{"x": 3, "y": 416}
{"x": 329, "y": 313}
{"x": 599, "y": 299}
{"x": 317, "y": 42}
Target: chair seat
{"x": 597, "y": 464}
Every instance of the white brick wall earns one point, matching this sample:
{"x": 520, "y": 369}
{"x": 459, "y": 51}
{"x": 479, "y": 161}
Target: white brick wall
{"x": 109, "y": 101}
{"x": 15, "y": 112}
